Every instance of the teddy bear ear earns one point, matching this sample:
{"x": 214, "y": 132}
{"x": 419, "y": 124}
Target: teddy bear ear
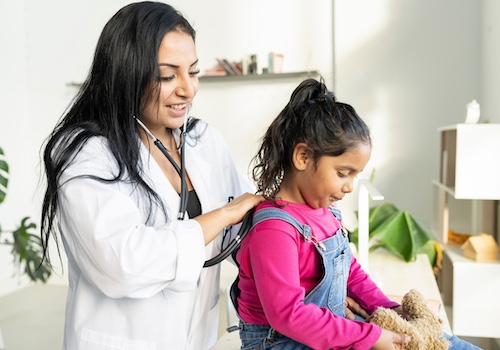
{"x": 414, "y": 296}
{"x": 415, "y": 306}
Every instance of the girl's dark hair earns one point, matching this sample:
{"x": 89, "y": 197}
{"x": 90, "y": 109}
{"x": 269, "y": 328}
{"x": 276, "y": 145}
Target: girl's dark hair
{"x": 314, "y": 117}
{"x": 120, "y": 80}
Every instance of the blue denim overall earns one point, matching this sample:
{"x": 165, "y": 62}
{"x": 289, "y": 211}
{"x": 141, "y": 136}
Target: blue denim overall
{"x": 330, "y": 293}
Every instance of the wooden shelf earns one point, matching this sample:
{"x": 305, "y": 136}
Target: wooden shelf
{"x": 253, "y": 77}
{"x": 447, "y": 189}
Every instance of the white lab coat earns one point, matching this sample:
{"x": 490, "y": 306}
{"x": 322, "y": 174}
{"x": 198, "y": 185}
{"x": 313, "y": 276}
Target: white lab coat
{"x": 134, "y": 285}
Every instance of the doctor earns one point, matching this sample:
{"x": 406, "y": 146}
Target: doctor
{"x": 139, "y": 193}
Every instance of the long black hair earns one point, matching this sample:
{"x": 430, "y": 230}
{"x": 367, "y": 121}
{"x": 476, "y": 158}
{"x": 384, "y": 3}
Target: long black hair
{"x": 124, "y": 68}
{"x": 314, "y": 117}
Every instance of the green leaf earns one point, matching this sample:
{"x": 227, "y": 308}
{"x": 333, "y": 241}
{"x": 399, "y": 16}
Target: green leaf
{"x": 4, "y": 170}
{"x": 398, "y": 232}
{"x": 27, "y": 248}
{"x": 377, "y": 216}
{"x": 380, "y": 213}
{"x": 431, "y": 249}
{"x": 402, "y": 235}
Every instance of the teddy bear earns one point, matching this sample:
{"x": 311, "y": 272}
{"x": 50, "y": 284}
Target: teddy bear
{"x": 419, "y": 322}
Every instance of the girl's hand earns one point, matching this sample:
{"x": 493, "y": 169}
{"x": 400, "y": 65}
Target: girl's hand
{"x": 401, "y": 312}
{"x": 352, "y": 308}
{"x": 390, "y": 341}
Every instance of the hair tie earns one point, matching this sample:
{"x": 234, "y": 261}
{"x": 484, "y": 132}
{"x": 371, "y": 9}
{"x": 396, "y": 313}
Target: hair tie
{"x": 326, "y": 96}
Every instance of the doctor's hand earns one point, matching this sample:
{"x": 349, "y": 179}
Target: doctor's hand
{"x": 213, "y": 222}
{"x": 238, "y": 207}
{"x": 390, "y": 341}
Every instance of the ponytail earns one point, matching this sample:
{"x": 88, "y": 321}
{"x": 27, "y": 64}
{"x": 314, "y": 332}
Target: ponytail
{"x": 312, "y": 116}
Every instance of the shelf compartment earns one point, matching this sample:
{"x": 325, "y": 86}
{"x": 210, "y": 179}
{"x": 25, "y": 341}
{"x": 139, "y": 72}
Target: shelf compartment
{"x": 469, "y": 160}
{"x": 471, "y": 288}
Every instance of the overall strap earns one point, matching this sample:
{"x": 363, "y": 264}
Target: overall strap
{"x": 335, "y": 212}
{"x": 280, "y": 214}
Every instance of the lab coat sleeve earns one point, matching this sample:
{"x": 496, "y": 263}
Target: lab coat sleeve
{"x": 103, "y": 229}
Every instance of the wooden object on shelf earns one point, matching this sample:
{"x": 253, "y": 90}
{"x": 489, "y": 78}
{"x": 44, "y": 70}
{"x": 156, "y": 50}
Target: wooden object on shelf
{"x": 481, "y": 247}
{"x": 229, "y": 67}
{"x": 455, "y": 237}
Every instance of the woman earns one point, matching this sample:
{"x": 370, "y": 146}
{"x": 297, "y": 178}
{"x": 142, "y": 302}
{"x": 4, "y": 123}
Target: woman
{"x": 136, "y": 222}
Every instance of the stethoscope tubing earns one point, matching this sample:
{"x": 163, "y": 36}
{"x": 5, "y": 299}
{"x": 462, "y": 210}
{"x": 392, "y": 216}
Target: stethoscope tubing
{"x": 245, "y": 227}
{"x": 246, "y": 224}
{"x": 180, "y": 170}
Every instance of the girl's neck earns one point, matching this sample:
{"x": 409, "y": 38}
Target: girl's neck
{"x": 290, "y": 193}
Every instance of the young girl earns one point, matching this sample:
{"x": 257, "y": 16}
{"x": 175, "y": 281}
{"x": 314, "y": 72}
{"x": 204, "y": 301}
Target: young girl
{"x": 296, "y": 269}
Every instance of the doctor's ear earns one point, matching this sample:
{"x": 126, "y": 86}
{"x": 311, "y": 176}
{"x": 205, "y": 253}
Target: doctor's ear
{"x": 300, "y": 156}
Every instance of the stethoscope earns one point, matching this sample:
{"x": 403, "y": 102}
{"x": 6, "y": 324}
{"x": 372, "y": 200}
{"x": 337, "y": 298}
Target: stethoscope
{"x": 247, "y": 220}
{"x": 180, "y": 170}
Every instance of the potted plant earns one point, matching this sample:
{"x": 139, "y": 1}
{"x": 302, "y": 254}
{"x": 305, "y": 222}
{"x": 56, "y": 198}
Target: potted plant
{"x": 400, "y": 234}
{"x": 26, "y": 245}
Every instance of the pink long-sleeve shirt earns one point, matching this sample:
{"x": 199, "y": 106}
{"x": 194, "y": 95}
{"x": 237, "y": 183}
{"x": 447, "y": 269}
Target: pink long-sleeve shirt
{"x": 278, "y": 268}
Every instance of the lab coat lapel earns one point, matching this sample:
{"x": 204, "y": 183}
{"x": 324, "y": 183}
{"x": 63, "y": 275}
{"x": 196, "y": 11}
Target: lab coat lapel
{"x": 200, "y": 174}
{"x": 160, "y": 182}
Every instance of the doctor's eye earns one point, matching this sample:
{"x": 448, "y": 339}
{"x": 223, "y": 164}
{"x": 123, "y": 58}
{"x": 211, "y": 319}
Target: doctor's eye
{"x": 168, "y": 78}
{"x": 195, "y": 73}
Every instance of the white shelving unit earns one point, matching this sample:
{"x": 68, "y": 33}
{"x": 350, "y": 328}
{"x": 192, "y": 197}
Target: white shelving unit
{"x": 466, "y": 197}
{"x": 472, "y": 290}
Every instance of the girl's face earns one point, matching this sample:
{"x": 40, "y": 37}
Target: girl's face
{"x": 332, "y": 178}
{"x": 178, "y": 83}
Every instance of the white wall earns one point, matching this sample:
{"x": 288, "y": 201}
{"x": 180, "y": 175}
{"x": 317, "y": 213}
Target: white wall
{"x": 47, "y": 44}
{"x": 408, "y": 67}
{"x": 490, "y": 58}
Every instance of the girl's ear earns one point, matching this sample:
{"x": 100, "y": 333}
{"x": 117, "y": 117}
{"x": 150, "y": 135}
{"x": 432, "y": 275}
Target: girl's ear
{"x": 300, "y": 156}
